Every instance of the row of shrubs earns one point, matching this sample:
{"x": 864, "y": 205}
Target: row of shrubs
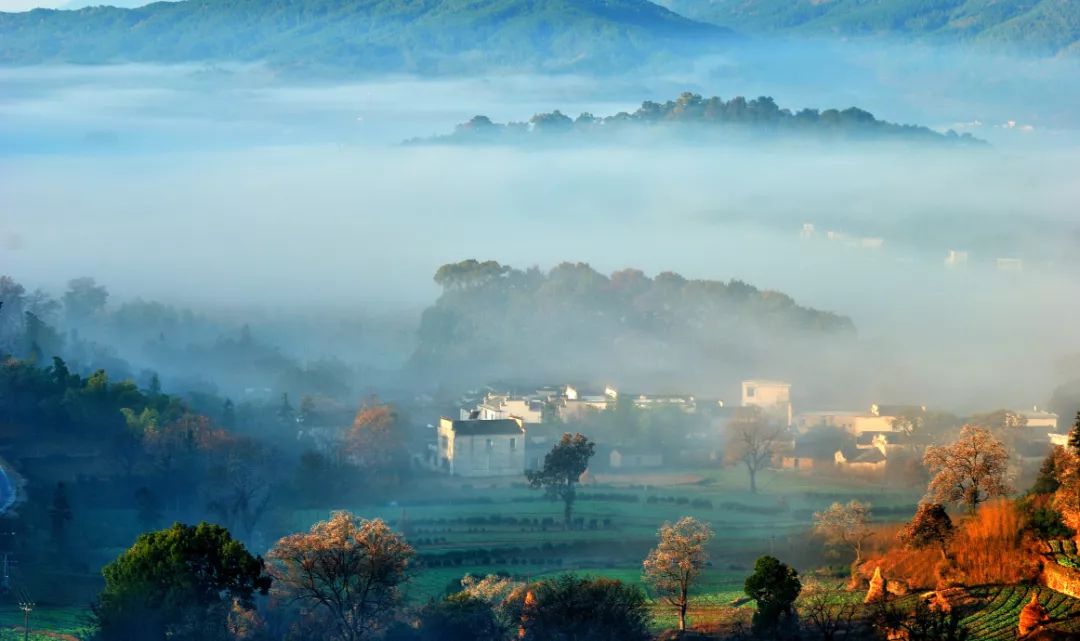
{"x": 897, "y": 510}
{"x": 680, "y": 500}
{"x": 438, "y": 561}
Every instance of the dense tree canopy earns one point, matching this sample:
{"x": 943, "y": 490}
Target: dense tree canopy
{"x": 699, "y": 119}
{"x": 369, "y": 36}
{"x": 1039, "y": 26}
{"x": 571, "y": 319}
{"x": 173, "y": 584}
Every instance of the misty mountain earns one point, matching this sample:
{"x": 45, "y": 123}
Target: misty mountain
{"x": 574, "y": 322}
{"x": 691, "y": 118}
{"x": 362, "y": 35}
{"x": 1046, "y": 27}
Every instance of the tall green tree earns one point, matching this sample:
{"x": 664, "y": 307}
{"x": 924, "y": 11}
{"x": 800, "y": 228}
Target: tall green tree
{"x": 148, "y": 509}
{"x": 60, "y": 514}
{"x": 177, "y": 583}
{"x": 563, "y": 467}
{"x": 774, "y": 587}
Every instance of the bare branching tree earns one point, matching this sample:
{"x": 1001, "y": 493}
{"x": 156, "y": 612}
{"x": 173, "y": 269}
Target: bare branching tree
{"x": 829, "y": 612}
{"x": 675, "y": 564}
{"x": 345, "y": 574}
{"x": 754, "y": 441}
{"x": 240, "y": 489}
{"x": 846, "y": 525}
{"x": 971, "y": 471}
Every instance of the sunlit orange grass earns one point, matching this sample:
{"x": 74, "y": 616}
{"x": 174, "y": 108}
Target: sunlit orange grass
{"x": 990, "y": 547}
{"x": 917, "y": 568}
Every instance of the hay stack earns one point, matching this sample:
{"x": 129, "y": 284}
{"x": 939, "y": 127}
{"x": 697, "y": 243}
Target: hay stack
{"x": 877, "y": 587}
{"x": 1032, "y": 616}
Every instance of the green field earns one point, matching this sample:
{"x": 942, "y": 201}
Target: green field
{"x": 522, "y": 535}
{"x": 49, "y": 621}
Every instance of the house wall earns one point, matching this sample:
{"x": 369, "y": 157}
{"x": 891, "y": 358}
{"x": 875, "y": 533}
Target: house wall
{"x": 485, "y": 454}
{"x": 797, "y": 463}
{"x": 626, "y": 461}
{"x": 872, "y": 424}
{"x": 763, "y": 394}
{"x": 520, "y": 409}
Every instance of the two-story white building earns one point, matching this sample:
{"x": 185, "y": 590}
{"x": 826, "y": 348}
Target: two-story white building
{"x": 482, "y": 448}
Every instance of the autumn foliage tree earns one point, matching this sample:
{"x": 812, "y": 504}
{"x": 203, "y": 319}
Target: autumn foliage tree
{"x": 754, "y": 441}
{"x": 346, "y": 575}
{"x": 674, "y": 565}
{"x": 931, "y": 526}
{"x": 848, "y": 525}
{"x": 563, "y": 467}
{"x": 374, "y": 440}
{"x": 971, "y": 471}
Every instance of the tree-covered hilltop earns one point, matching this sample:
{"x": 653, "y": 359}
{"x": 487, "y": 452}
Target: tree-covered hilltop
{"x": 701, "y": 119}
{"x": 492, "y": 319}
{"x": 364, "y": 36}
{"x": 1046, "y": 27}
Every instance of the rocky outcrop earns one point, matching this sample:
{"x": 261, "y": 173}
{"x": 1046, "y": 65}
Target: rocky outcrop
{"x": 878, "y": 586}
{"x": 1061, "y": 579}
{"x": 946, "y": 600}
{"x": 897, "y": 587}
{"x": 1033, "y": 616}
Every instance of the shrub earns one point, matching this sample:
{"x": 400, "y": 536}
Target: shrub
{"x": 701, "y": 503}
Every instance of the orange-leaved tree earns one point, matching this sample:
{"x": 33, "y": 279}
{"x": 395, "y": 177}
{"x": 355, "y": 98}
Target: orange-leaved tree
{"x": 346, "y": 575}
{"x": 971, "y": 471}
{"x": 374, "y": 440}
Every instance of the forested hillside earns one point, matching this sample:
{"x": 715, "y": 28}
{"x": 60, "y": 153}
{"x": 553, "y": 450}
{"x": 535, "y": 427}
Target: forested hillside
{"x": 695, "y": 117}
{"x": 574, "y": 321}
{"x": 361, "y": 35}
{"x": 1045, "y": 27}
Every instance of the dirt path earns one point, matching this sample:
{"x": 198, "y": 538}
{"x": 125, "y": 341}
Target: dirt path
{"x": 53, "y": 635}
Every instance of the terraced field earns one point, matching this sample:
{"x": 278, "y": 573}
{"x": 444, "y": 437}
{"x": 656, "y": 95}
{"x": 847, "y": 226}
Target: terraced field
{"x": 997, "y": 616}
{"x": 1064, "y": 553}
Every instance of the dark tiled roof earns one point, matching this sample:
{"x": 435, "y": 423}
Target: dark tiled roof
{"x": 506, "y": 426}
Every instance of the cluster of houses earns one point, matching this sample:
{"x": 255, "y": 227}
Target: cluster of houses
{"x": 498, "y": 433}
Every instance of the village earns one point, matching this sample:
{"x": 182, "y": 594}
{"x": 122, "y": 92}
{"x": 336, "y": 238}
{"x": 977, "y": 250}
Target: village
{"x": 503, "y": 431}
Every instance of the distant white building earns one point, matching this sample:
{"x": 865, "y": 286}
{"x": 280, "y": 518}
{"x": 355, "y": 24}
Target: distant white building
{"x": 1010, "y": 265}
{"x": 807, "y": 231}
{"x": 773, "y": 397}
{"x": 956, "y": 258}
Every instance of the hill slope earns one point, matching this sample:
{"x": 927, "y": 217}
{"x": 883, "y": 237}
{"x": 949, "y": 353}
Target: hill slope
{"x": 367, "y": 35}
{"x": 1040, "y": 26}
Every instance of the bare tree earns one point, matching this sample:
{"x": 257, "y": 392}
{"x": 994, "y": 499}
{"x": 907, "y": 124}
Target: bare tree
{"x": 345, "y": 572}
{"x": 846, "y": 525}
{"x": 971, "y": 471}
{"x": 240, "y": 489}
{"x": 753, "y": 441}
{"x": 674, "y": 565}
{"x": 830, "y": 612}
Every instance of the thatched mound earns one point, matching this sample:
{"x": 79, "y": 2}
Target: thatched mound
{"x": 1032, "y": 616}
{"x": 877, "y": 588}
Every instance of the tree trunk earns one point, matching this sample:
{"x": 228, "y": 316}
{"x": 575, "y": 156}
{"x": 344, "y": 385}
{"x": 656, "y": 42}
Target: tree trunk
{"x": 753, "y": 480}
{"x": 682, "y": 615}
{"x": 567, "y": 510}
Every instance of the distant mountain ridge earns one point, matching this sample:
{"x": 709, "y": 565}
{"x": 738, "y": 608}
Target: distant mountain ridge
{"x": 365, "y": 35}
{"x": 1045, "y": 27}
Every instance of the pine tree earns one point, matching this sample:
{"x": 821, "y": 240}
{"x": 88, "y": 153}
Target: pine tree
{"x": 59, "y": 513}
